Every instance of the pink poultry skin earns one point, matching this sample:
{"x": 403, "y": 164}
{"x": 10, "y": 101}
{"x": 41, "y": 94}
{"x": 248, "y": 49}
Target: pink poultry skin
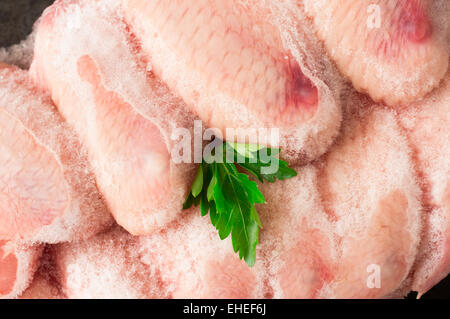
{"x": 48, "y": 193}
{"x": 372, "y": 190}
{"x": 125, "y": 121}
{"x": 426, "y": 123}
{"x": 241, "y": 72}
{"x": 378, "y": 222}
{"x": 397, "y": 61}
{"x": 17, "y": 264}
{"x": 106, "y": 266}
{"x": 318, "y": 239}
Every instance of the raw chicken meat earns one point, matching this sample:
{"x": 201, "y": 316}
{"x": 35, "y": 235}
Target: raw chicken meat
{"x": 396, "y": 51}
{"x": 45, "y": 284}
{"x": 297, "y": 243}
{"x": 368, "y": 219}
{"x": 106, "y": 266}
{"x": 241, "y": 64}
{"x": 48, "y": 193}
{"x": 193, "y": 262}
{"x": 370, "y": 192}
{"x": 319, "y": 239}
{"x": 427, "y": 125}
{"x": 17, "y": 266}
{"x": 357, "y": 208}
{"x": 126, "y": 118}
{"x": 42, "y": 288}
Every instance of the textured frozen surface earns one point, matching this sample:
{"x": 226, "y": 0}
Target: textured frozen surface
{"x": 370, "y": 191}
{"x": 45, "y": 284}
{"x": 123, "y": 114}
{"x": 106, "y": 266}
{"x": 193, "y": 262}
{"x": 397, "y": 61}
{"x": 42, "y": 288}
{"x": 48, "y": 193}
{"x": 17, "y": 266}
{"x": 377, "y": 200}
{"x": 246, "y": 68}
{"x": 297, "y": 244}
{"x": 358, "y": 207}
{"x": 427, "y": 125}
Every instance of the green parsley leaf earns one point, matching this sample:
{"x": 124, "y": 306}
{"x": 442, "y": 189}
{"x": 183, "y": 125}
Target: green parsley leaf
{"x": 198, "y": 182}
{"x": 261, "y": 169}
{"x": 230, "y": 196}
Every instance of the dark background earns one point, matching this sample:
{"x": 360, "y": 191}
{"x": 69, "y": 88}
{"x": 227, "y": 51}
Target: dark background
{"x": 17, "y": 18}
{"x": 16, "y": 21}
